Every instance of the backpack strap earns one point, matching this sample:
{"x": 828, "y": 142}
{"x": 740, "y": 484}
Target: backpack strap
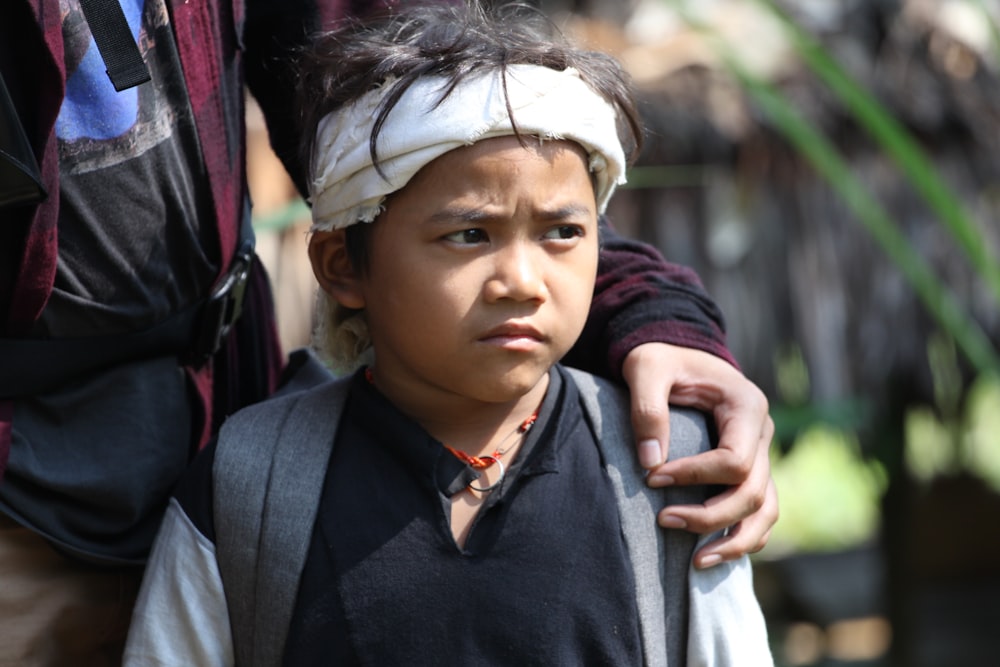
{"x": 268, "y": 476}
{"x": 118, "y": 48}
{"x": 660, "y": 558}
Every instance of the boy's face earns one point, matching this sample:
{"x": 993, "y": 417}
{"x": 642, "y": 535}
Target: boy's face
{"x": 482, "y": 269}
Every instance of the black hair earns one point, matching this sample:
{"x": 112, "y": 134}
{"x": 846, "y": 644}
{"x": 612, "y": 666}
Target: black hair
{"x": 452, "y": 41}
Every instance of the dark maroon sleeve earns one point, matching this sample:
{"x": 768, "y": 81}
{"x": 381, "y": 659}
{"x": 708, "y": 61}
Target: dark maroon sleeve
{"x": 642, "y": 298}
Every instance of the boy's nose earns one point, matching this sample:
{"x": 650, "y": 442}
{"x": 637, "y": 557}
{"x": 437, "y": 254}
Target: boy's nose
{"x": 517, "y": 275}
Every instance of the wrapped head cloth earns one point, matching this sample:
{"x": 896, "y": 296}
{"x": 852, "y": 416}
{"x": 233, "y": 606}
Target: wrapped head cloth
{"x": 346, "y": 187}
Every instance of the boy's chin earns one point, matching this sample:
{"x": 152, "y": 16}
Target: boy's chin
{"x": 519, "y": 383}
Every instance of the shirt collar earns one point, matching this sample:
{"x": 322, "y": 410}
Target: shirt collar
{"x": 431, "y": 463}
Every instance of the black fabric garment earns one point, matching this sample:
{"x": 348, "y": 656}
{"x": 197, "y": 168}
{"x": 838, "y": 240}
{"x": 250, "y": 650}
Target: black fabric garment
{"x": 544, "y": 577}
{"x": 129, "y": 256}
{"x": 70, "y": 468}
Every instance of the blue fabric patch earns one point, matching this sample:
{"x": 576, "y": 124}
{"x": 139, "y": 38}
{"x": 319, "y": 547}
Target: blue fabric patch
{"x": 92, "y": 109}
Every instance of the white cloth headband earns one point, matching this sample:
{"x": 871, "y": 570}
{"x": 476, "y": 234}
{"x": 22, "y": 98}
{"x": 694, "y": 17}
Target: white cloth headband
{"x": 546, "y": 103}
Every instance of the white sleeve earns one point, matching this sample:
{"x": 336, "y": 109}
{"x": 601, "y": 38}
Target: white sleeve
{"x": 725, "y": 622}
{"x": 180, "y": 617}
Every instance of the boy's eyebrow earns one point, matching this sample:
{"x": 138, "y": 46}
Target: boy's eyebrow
{"x": 459, "y": 214}
{"x": 480, "y": 216}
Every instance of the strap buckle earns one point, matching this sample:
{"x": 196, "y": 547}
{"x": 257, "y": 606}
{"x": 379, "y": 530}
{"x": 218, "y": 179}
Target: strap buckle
{"x": 223, "y": 307}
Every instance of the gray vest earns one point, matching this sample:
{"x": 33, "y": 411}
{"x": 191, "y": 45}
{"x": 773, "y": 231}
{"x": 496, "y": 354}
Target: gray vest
{"x": 269, "y": 470}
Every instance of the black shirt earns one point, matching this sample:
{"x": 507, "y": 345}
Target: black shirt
{"x": 544, "y": 578}
{"x": 92, "y": 464}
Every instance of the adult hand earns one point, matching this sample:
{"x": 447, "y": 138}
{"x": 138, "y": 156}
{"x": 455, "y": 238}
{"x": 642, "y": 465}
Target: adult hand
{"x": 658, "y": 374}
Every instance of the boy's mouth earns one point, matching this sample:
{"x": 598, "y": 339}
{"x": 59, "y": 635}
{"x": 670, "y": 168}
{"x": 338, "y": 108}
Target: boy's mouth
{"x": 514, "y": 336}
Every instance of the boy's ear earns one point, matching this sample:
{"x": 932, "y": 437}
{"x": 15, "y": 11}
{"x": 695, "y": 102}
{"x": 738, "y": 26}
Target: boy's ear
{"x": 333, "y": 269}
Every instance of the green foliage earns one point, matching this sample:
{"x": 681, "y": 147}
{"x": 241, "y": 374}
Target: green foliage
{"x": 930, "y": 445}
{"x": 794, "y": 412}
{"x": 830, "y": 496}
{"x": 981, "y": 430}
{"x": 792, "y": 375}
{"x": 959, "y": 433}
{"x": 294, "y": 211}
{"x": 956, "y": 435}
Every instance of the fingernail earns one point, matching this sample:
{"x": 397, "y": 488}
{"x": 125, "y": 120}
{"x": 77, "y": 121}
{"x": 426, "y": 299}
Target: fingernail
{"x": 660, "y": 480}
{"x": 649, "y": 453}
{"x": 671, "y": 521}
{"x": 709, "y": 561}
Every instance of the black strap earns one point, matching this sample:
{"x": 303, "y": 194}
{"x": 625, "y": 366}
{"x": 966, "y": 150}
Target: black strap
{"x": 30, "y": 366}
{"x": 20, "y": 179}
{"x": 35, "y": 366}
{"x": 114, "y": 40}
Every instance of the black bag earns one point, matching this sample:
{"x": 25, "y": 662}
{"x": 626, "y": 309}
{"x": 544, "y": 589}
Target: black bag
{"x": 20, "y": 178}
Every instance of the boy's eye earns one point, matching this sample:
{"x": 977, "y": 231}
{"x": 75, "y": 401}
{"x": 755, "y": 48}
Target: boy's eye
{"x": 468, "y": 236}
{"x": 564, "y": 232}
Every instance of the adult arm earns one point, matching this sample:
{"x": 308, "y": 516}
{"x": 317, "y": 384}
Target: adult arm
{"x": 641, "y": 298}
{"x": 653, "y": 326}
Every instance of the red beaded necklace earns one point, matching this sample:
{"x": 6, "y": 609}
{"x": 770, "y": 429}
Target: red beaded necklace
{"x": 483, "y": 462}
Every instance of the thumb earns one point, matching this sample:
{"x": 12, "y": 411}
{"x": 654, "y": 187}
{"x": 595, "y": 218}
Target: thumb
{"x": 650, "y": 411}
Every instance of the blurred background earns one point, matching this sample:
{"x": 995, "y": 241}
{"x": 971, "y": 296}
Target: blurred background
{"x": 831, "y": 169}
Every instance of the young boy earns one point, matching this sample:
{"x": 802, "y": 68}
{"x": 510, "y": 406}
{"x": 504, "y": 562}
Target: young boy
{"x": 461, "y": 498}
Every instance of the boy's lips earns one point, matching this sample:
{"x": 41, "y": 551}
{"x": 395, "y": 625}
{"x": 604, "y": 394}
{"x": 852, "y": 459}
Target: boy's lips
{"x": 513, "y": 334}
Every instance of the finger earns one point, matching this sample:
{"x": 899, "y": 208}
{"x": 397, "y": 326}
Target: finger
{"x": 745, "y": 427}
{"x": 704, "y": 381}
{"x": 727, "y": 548}
{"x": 742, "y": 451}
{"x": 744, "y": 422}
{"x": 735, "y": 504}
{"x": 716, "y": 466}
{"x": 650, "y": 413}
{"x": 749, "y": 536}
{"x": 717, "y": 513}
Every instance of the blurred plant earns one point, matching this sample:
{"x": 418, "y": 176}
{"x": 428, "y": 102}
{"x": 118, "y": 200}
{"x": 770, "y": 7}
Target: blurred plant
{"x": 820, "y": 152}
{"x": 295, "y": 210}
{"x": 832, "y": 492}
{"x": 836, "y": 492}
{"x": 958, "y": 435}
{"x": 794, "y": 412}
